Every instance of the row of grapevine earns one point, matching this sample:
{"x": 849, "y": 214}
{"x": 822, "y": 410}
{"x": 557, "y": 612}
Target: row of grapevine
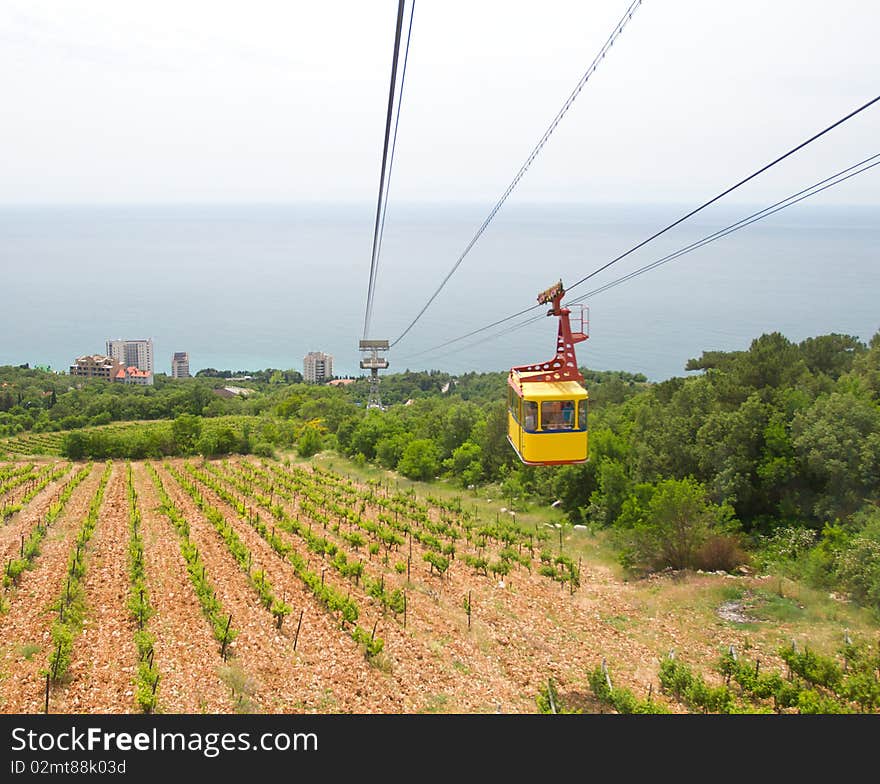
{"x": 814, "y": 684}
{"x": 48, "y": 475}
{"x": 26, "y": 444}
{"x": 323, "y": 496}
{"x": 413, "y": 518}
{"x": 31, "y": 547}
{"x": 71, "y": 603}
{"x": 147, "y": 676}
{"x": 11, "y": 473}
{"x": 239, "y": 550}
{"x": 245, "y": 481}
{"x": 221, "y": 622}
{"x": 333, "y": 599}
{"x": 338, "y": 560}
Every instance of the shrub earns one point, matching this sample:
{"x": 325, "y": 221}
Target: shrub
{"x": 263, "y": 449}
{"x": 421, "y": 459}
{"x": 310, "y": 442}
{"x": 720, "y": 552}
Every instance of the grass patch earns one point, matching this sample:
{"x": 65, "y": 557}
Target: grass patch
{"x": 437, "y": 703}
{"x": 436, "y": 646}
{"x": 731, "y": 593}
{"x": 382, "y": 662}
{"x": 242, "y": 687}
{"x": 770, "y": 606}
{"x": 28, "y": 650}
{"x": 328, "y": 702}
{"x": 619, "y": 622}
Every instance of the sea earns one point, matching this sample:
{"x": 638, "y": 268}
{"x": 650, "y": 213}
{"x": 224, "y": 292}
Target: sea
{"x": 247, "y": 287}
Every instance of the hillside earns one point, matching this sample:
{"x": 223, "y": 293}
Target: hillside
{"x": 227, "y": 548}
{"x": 730, "y": 517}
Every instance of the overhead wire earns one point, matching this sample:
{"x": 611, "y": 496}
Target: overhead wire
{"x": 391, "y": 161}
{"x": 729, "y": 190}
{"x": 829, "y": 182}
{"x": 374, "y": 260}
{"x": 806, "y": 193}
{"x": 618, "y": 30}
{"x": 670, "y": 226}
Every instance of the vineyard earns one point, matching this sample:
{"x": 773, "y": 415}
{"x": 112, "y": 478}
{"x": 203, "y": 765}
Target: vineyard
{"x": 150, "y": 436}
{"x": 253, "y": 585}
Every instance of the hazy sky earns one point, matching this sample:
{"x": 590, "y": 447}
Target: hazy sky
{"x": 108, "y": 101}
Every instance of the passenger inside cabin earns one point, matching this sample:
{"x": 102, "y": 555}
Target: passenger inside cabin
{"x": 557, "y": 415}
{"x": 568, "y": 414}
{"x": 530, "y": 415}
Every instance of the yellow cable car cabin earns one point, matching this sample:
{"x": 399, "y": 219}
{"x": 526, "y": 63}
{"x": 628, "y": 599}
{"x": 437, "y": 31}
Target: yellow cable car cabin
{"x": 547, "y": 403}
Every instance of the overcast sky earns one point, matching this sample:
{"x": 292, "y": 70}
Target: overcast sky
{"x": 114, "y": 101}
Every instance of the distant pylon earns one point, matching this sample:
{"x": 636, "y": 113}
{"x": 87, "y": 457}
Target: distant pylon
{"x": 374, "y": 363}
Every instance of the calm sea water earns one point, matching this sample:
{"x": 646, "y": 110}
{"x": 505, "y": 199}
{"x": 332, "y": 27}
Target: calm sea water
{"x": 248, "y": 287}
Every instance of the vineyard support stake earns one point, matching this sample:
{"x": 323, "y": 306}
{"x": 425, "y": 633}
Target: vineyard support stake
{"x": 298, "y": 625}
{"x": 225, "y": 636}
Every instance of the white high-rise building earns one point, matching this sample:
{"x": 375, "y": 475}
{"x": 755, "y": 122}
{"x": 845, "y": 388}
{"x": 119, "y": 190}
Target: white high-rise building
{"x": 133, "y": 353}
{"x": 317, "y": 367}
{"x": 180, "y": 364}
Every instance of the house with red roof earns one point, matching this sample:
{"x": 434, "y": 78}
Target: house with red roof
{"x": 133, "y": 375}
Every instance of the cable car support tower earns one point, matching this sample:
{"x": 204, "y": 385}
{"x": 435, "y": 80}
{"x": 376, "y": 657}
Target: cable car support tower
{"x": 372, "y": 361}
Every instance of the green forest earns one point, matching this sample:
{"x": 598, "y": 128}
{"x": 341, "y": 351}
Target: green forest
{"x": 768, "y": 456}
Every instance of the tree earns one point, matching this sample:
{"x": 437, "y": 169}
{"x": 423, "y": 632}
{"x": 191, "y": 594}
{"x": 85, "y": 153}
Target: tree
{"x": 837, "y": 441}
{"x": 331, "y": 409}
{"x": 390, "y": 449}
{"x": 677, "y": 522}
{"x": 74, "y": 445}
{"x": 420, "y": 460}
{"x": 465, "y": 465}
{"x": 310, "y": 441}
{"x": 186, "y": 430}
{"x": 831, "y": 354}
{"x": 866, "y": 367}
{"x": 492, "y": 439}
{"x": 858, "y": 563}
{"x": 612, "y": 490}
{"x": 457, "y": 425}
{"x": 217, "y": 441}
{"x": 573, "y": 485}
{"x": 771, "y": 361}
{"x": 371, "y": 429}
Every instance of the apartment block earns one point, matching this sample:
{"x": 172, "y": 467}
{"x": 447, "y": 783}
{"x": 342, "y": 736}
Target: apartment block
{"x": 133, "y": 353}
{"x": 180, "y": 364}
{"x": 317, "y": 367}
{"x": 95, "y": 366}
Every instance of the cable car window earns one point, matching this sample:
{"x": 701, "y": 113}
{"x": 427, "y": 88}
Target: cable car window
{"x": 582, "y": 415}
{"x": 530, "y": 412}
{"x": 515, "y": 406}
{"x": 557, "y": 415}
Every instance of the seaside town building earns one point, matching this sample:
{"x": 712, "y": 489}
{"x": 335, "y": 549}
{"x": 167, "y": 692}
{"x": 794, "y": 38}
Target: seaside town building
{"x": 180, "y": 365}
{"x": 133, "y": 375}
{"x": 133, "y": 353}
{"x": 95, "y": 366}
{"x": 317, "y": 367}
